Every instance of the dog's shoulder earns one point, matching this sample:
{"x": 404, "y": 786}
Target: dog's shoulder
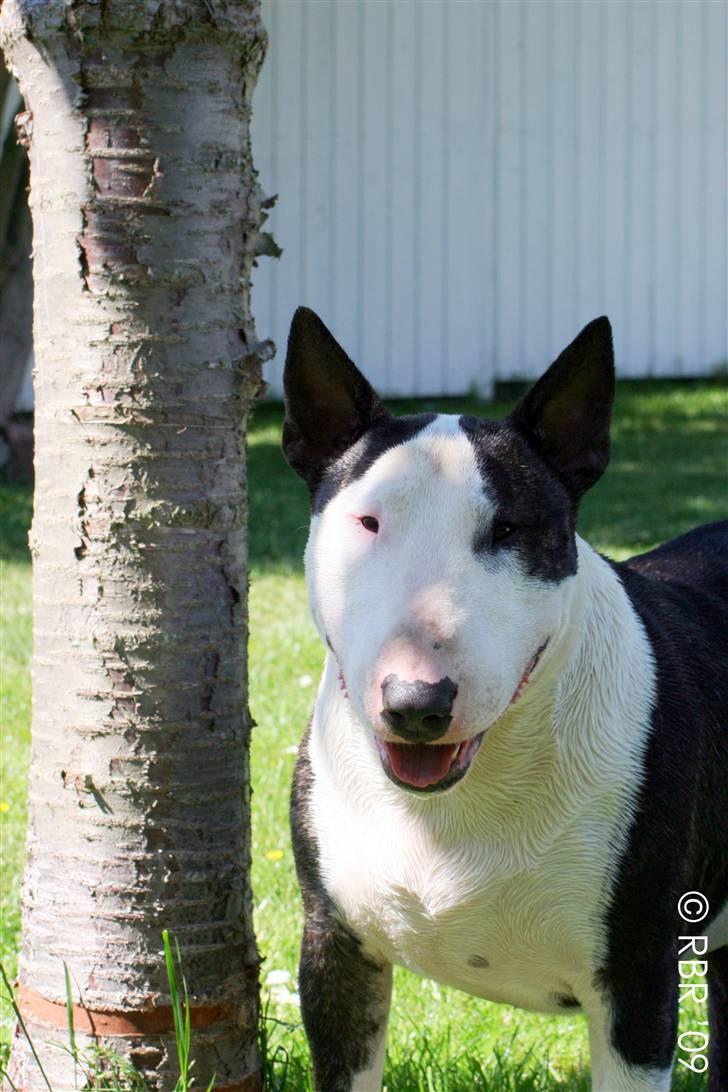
{"x": 680, "y": 592}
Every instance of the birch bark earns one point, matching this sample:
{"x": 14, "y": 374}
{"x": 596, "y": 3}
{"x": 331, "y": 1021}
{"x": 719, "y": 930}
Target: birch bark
{"x": 147, "y": 218}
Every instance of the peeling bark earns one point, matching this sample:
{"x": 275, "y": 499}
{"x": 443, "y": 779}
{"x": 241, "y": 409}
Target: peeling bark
{"x": 147, "y": 218}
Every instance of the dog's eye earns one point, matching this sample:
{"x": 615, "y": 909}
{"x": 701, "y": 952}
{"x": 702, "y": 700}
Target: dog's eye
{"x": 369, "y": 523}
{"x": 503, "y": 531}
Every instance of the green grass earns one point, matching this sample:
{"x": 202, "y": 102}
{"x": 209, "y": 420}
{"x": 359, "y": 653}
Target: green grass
{"x": 668, "y": 473}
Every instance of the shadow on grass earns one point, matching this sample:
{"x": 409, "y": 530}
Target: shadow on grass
{"x": 667, "y": 474}
{"x": 279, "y": 512}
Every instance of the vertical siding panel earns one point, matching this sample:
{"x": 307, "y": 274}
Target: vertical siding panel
{"x": 374, "y": 186}
{"x": 289, "y": 212}
{"x": 388, "y": 125}
{"x": 359, "y": 14}
{"x": 703, "y": 78}
{"x": 466, "y": 200}
{"x": 677, "y": 144}
{"x": 627, "y": 225}
{"x": 714, "y": 295}
{"x": 430, "y": 226}
{"x": 510, "y": 168}
{"x": 523, "y": 195}
{"x": 348, "y": 164}
{"x": 331, "y": 71}
{"x": 667, "y": 140}
{"x": 446, "y": 149}
{"x": 616, "y": 174}
{"x": 688, "y": 272}
{"x": 316, "y": 47}
{"x": 536, "y": 168}
{"x": 492, "y": 172}
{"x": 562, "y": 274}
{"x": 417, "y": 200}
{"x": 265, "y": 142}
{"x": 303, "y": 142}
{"x": 576, "y": 161}
{"x": 653, "y": 108}
{"x": 589, "y": 202}
{"x": 638, "y": 214}
{"x": 403, "y": 183}
{"x": 275, "y": 319}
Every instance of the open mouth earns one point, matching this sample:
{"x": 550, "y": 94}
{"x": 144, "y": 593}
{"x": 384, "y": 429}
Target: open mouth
{"x": 427, "y": 767}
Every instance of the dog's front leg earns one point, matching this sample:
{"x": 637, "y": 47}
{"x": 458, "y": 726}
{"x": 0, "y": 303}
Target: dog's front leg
{"x": 614, "y": 1069}
{"x": 345, "y": 999}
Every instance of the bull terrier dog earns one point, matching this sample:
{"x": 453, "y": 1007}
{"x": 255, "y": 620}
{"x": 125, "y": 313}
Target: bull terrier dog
{"x": 515, "y": 778}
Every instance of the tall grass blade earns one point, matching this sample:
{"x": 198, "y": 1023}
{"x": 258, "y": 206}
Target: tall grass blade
{"x": 188, "y": 1018}
{"x": 71, "y": 1028}
{"x": 176, "y": 1009}
{"x": 5, "y": 1076}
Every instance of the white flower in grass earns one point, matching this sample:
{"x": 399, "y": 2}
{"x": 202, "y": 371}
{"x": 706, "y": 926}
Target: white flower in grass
{"x": 276, "y": 981}
{"x": 284, "y": 996}
{"x": 277, "y": 978}
{"x": 304, "y": 681}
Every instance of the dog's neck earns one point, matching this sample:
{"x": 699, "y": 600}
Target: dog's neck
{"x": 575, "y": 736}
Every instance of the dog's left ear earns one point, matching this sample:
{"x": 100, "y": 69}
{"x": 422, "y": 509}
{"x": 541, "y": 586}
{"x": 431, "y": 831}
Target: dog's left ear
{"x": 565, "y": 416}
{"x": 329, "y": 403}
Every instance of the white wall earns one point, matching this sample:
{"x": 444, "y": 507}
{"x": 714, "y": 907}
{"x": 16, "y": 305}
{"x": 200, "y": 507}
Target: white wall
{"x": 464, "y": 184}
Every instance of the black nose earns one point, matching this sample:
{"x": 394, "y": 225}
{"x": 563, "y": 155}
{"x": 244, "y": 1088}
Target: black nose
{"x": 418, "y": 711}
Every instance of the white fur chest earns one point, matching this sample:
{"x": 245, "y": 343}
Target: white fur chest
{"x": 466, "y": 911}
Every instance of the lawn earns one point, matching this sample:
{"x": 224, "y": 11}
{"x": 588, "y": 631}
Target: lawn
{"x": 668, "y": 473}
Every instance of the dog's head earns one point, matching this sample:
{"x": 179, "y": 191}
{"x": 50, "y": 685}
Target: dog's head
{"x": 442, "y": 550}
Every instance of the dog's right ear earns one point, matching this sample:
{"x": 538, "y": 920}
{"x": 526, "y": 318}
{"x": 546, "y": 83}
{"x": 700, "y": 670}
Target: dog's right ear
{"x": 329, "y": 403}
{"x": 565, "y": 416}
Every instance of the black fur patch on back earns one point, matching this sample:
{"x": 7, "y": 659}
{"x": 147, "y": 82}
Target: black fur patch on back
{"x": 678, "y": 840}
{"x": 355, "y": 462}
{"x": 527, "y": 494}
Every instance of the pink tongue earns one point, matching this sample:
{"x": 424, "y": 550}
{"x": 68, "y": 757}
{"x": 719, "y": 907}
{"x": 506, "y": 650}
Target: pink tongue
{"x": 421, "y": 764}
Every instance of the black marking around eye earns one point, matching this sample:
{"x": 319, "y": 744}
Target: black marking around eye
{"x": 527, "y": 493}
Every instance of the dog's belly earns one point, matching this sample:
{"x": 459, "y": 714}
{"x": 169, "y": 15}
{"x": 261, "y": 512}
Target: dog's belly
{"x": 469, "y": 919}
{"x": 486, "y": 947}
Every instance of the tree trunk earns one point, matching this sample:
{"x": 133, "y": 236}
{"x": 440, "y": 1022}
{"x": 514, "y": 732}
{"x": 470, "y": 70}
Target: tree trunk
{"x": 146, "y": 218}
